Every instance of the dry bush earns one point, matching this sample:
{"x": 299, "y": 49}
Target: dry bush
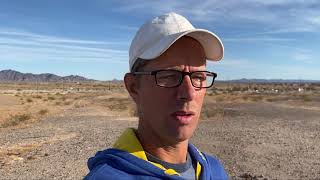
{"x": 220, "y": 98}
{"x": 211, "y": 110}
{"x": 63, "y": 98}
{"x": 306, "y": 98}
{"x": 67, "y": 103}
{"x": 37, "y": 97}
{"x": 29, "y": 100}
{"x": 80, "y": 104}
{"x": 51, "y": 98}
{"x": 14, "y": 120}
{"x": 57, "y": 103}
{"x": 118, "y": 104}
{"x": 43, "y": 112}
{"x": 256, "y": 98}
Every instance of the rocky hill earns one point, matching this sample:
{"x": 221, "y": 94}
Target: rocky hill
{"x": 15, "y": 76}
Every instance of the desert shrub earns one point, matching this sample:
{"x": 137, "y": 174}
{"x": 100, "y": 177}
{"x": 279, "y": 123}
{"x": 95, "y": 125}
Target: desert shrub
{"x": 269, "y": 99}
{"x": 63, "y": 98}
{"x": 245, "y": 98}
{"x": 37, "y": 97}
{"x": 210, "y": 111}
{"x": 256, "y": 98}
{"x": 219, "y": 98}
{"x": 242, "y": 89}
{"x": 51, "y": 98}
{"x": 306, "y": 98}
{"x": 67, "y": 103}
{"x": 120, "y": 104}
{"x": 29, "y": 100}
{"x": 236, "y": 88}
{"x": 43, "y": 112}
{"x": 79, "y": 104}
{"x": 14, "y": 120}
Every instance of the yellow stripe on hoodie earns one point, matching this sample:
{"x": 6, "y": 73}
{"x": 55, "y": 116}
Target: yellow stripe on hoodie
{"x": 129, "y": 142}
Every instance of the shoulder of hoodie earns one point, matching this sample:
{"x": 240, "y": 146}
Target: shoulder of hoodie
{"x": 105, "y": 165}
{"x": 216, "y": 166}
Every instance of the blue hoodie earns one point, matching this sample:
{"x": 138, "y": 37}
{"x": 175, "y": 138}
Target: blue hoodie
{"x": 127, "y": 160}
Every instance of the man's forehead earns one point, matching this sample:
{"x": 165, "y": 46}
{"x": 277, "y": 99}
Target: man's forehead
{"x": 186, "y": 66}
{"x": 185, "y": 52}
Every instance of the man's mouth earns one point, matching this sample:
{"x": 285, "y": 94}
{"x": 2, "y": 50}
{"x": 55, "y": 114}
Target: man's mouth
{"x": 183, "y": 117}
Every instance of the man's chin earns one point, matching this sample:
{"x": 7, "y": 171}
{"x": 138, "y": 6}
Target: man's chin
{"x": 182, "y": 134}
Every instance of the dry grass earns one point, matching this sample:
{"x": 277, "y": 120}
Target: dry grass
{"x": 55, "y": 97}
{"x": 37, "y": 96}
{"x": 16, "y": 119}
{"x": 122, "y": 105}
{"x": 29, "y": 100}
{"x": 43, "y": 112}
{"x": 51, "y": 98}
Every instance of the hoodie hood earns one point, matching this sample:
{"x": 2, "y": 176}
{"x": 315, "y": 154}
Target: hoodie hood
{"x": 115, "y": 163}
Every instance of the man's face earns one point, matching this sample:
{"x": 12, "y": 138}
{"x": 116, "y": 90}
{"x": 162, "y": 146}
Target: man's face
{"x": 172, "y": 114}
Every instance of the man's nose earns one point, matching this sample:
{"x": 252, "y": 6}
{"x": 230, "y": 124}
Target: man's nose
{"x": 186, "y": 91}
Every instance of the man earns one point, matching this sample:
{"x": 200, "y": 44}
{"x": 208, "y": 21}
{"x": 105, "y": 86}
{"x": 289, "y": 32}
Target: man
{"x": 167, "y": 81}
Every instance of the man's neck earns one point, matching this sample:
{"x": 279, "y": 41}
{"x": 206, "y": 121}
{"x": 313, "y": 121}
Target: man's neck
{"x": 175, "y": 153}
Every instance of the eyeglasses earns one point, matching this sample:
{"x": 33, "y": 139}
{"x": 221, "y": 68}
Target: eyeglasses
{"x": 173, "y": 78}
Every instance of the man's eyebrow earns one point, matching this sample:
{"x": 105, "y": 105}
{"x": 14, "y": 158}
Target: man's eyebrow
{"x": 175, "y": 68}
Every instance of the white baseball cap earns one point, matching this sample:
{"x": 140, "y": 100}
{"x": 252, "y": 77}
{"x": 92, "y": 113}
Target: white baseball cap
{"x": 156, "y": 36}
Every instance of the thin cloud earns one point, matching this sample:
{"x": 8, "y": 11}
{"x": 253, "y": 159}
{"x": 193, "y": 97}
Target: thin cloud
{"x": 53, "y": 39}
{"x": 276, "y": 15}
{"x": 234, "y": 63}
{"x": 126, "y": 27}
{"x": 260, "y": 39}
{"x": 29, "y": 47}
{"x": 305, "y": 57}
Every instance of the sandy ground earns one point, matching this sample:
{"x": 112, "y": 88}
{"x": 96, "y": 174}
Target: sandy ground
{"x": 257, "y": 140}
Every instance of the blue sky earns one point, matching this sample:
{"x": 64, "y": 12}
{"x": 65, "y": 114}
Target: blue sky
{"x": 268, "y": 39}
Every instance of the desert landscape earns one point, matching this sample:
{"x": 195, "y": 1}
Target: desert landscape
{"x": 257, "y": 130}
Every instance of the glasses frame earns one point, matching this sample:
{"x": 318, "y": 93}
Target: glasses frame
{"x": 154, "y": 73}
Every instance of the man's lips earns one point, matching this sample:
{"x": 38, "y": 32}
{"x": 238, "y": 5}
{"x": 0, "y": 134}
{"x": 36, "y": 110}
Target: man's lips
{"x": 183, "y": 113}
{"x": 183, "y": 117}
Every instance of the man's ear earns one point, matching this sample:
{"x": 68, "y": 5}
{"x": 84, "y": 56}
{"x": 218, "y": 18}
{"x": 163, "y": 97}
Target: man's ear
{"x": 131, "y": 85}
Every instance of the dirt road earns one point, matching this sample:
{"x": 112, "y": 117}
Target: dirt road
{"x": 254, "y": 141}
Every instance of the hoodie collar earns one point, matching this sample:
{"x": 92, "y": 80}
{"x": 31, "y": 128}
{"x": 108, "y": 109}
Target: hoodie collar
{"x": 129, "y": 142}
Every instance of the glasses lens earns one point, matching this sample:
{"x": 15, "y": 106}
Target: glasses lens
{"x": 202, "y": 79}
{"x": 168, "y": 78}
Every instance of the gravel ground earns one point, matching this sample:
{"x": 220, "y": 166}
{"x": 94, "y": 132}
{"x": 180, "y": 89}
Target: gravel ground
{"x": 253, "y": 141}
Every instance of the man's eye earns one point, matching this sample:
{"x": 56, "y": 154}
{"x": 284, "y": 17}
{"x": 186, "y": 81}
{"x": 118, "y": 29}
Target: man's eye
{"x": 199, "y": 77}
{"x": 168, "y": 76}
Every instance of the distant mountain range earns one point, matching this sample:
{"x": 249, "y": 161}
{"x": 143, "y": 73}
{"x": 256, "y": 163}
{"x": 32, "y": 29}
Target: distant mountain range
{"x": 15, "y": 76}
{"x": 271, "y": 81}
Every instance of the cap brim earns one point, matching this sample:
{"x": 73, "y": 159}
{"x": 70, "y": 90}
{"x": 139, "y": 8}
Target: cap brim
{"x": 210, "y": 42}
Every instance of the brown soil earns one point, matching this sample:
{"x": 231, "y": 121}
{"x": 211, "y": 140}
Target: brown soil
{"x": 254, "y": 140}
